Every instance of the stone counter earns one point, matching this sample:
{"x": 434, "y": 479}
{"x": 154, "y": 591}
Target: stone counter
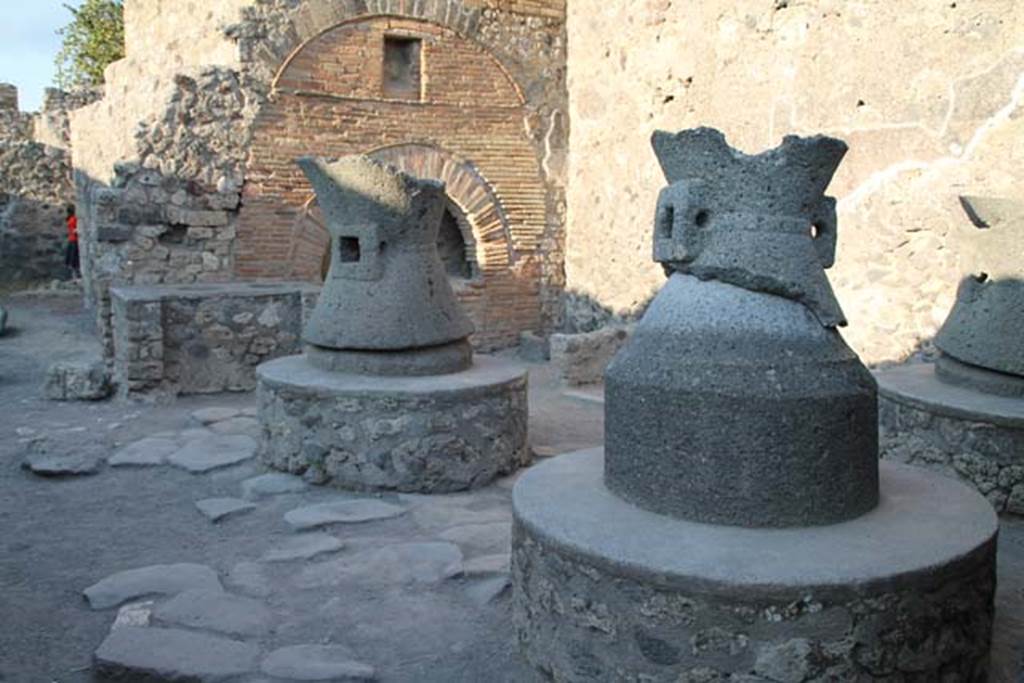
{"x": 203, "y": 338}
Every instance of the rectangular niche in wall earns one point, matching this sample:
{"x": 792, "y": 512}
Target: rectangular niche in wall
{"x": 403, "y": 67}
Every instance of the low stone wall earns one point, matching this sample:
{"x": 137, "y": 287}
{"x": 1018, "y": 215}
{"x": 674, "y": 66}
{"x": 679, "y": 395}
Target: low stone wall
{"x": 988, "y": 457}
{"x": 207, "y": 338}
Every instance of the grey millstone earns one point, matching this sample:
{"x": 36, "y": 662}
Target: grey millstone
{"x": 77, "y": 381}
{"x": 216, "y": 509}
{"x": 156, "y": 654}
{"x": 342, "y": 512}
{"x": 216, "y": 611}
{"x": 161, "y": 579}
{"x": 781, "y": 423}
{"x": 273, "y": 484}
{"x": 205, "y": 454}
{"x": 316, "y": 663}
{"x": 378, "y": 299}
{"x": 50, "y": 465}
{"x": 481, "y": 538}
{"x": 986, "y": 325}
{"x": 208, "y": 416}
{"x": 407, "y": 563}
{"x": 304, "y": 547}
{"x": 145, "y": 453}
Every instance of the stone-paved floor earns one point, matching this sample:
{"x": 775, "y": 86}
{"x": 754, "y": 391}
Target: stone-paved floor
{"x": 411, "y": 588}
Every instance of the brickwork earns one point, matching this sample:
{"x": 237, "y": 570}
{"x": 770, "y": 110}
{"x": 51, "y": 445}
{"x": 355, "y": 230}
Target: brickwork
{"x": 330, "y": 101}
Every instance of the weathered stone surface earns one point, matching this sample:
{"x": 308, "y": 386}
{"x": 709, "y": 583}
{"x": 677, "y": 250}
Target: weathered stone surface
{"x": 3, "y": 320}
{"x": 144, "y": 453}
{"x": 480, "y": 538}
{"x": 134, "y": 614}
{"x": 216, "y": 611}
{"x": 208, "y": 416}
{"x": 972, "y": 436}
{"x": 238, "y": 425}
{"x": 161, "y": 579}
{"x": 440, "y": 514}
{"x": 206, "y": 454}
{"x": 216, "y": 509}
{"x": 342, "y": 512}
{"x": 489, "y": 590}
{"x": 249, "y": 578}
{"x": 602, "y": 587}
{"x": 77, "y": 381}
{"x": 156, "y": 654}
{"x": 400, "y": 564}
{"x": 488, "y": 564}
{"x": 316, "y": 663}
{"x": 392, "y": 300}
{"x": 427, "y": 434}
{"x": 897, "y": 189}
{"x": 53, "y": 465}
{"x": 274, "y": 484}
{"x": 534, "y": 348}
{"x": 582, "y": 358}
{"x": 304, "y": 547}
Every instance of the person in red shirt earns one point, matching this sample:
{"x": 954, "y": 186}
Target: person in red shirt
{"x": 71, "y": 257}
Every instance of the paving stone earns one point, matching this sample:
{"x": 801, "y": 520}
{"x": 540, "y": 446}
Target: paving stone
{"x": 250, "y": 579}
{"x": 250, "y": 411}
{"x": 145, "y": 453}
{"x": 137, "y": 614}
{"x": 216, "y": 509}
{"x": 207, "y": 416}
{"x": 274, "y": 484}
{"x": 158, "y": 654}
{"x": 488, "y": 565}
{"x": 203, "y": 455}
{"x": 316, "y": 663}
{"x": 191, "y": 434}
{"x": 160, "y": 579}
{"x": 217, "y": 611}
{"x": 495, "y": 537}
{"x": 439, "y": 516}
{"x": 488, "y": 590}
{"x": 404, "y": 563}
{"x": 304, "y": 547}
{"x": 342, "y": 512}
{"x": 238, "y": 425}
{"x": 51, "y": 465}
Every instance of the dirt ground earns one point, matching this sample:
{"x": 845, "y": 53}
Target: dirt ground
{"x": 58, "y": 536}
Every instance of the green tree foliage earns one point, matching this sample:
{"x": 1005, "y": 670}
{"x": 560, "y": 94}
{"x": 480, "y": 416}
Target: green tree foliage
{"x": 93, "y": 39}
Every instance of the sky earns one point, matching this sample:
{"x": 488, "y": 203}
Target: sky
{"x": 29, "y": 43}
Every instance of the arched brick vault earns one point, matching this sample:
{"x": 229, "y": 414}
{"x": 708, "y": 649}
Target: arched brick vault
{"x": 468, "y": 126}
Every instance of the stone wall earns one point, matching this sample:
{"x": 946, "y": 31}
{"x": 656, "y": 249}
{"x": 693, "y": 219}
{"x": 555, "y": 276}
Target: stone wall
{"x": 35, "y": 188}
{"x": 198, "y": 339}
{"x": 928, "y": 95}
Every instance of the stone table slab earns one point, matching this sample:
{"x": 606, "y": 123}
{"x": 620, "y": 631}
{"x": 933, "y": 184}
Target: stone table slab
{"x": 157, "y": 654}
{"x": 217, "y": 611}
{"x": 160, "y": 579}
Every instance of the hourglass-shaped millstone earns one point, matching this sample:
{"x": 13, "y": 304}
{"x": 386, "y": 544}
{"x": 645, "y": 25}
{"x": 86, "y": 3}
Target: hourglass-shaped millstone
{"x": 737, "y": 402}
{"x": 982, "y": 340}
{"x": 386, "y": 307}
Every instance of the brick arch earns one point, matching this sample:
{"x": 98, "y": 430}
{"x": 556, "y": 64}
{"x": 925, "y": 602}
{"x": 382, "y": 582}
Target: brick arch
{"x": 468, "y": 129}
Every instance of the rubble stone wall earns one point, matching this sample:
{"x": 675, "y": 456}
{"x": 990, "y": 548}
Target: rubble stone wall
{"x": 928, "y": 95}
{"x": 198, "y": 339}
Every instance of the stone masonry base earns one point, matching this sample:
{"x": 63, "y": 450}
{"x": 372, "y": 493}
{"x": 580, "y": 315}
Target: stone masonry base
{"x": 433, "y": 434}
{"x": 975, "y": 437}
{"x": 604, "y": 591}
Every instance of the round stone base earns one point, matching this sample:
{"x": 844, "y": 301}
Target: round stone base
{"x": 956, "y": 430}
{"x": 433, "y": 434}
{"x": 606, "y": 591}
